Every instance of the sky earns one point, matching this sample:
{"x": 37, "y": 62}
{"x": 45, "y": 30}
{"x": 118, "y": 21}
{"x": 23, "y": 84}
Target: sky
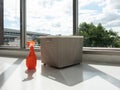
{"x": 55, "y": 16}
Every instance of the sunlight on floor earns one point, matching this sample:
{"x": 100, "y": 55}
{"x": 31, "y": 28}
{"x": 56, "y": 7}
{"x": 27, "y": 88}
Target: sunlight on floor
{"x": 112, "y": 70}
{"x": 15, "y": 76}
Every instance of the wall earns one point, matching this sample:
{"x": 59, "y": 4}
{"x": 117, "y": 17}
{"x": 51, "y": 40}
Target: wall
{"x": 87, "y": 57}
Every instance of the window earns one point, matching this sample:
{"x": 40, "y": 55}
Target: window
{"x": 12, "y": 23}
{"x": 49, "y": 17}
{"x": 42, "y": 19}
{"x": 99, "y": 23}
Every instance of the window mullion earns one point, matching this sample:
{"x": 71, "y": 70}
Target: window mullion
{"x": 23, "y": 23}
{"x": 75, "y": 17}
{"x": 1, "y": 22}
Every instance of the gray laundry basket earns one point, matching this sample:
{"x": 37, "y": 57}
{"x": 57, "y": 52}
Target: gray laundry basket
{"x": 61, "y": 51}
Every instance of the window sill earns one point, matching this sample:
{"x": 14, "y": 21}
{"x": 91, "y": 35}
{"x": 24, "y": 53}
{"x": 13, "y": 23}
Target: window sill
{"x": 102, "y": 51}
{"x": 95, "y": 51}
{"x": 89, "y": 55}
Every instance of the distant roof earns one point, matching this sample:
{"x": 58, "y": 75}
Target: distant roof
{"x": 28, "y": 32}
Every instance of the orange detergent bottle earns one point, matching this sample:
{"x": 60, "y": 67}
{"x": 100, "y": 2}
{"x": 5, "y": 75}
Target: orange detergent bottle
{"x": 31, "y": 59}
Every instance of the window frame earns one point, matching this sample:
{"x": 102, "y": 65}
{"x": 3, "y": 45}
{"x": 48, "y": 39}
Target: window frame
{"x": 23, "y": 29}
{"x": 1, "y": 21}
{"x": 23, "y": 21}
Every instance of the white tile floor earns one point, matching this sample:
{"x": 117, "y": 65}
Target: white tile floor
{"x": 14, "y": 76}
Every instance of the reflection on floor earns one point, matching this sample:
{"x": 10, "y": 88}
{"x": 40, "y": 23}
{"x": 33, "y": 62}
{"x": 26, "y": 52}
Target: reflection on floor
{"x": 14, "y": 76}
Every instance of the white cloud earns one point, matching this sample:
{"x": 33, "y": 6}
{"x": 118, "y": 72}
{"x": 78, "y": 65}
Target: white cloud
{"x": 11, "y": 7}
{"x": 45, "y": 16}
{"x": 55, "y": 16}
{"x": 113, "y": 23}
{"x": 114, "y": 4}
{"x": 11, "y": 13}
{"x": 111, "y": 12}
{"x": 109, "y": 15}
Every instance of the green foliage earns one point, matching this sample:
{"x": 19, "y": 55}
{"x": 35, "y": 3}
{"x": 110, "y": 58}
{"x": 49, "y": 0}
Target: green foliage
{"x": 38, "y": 41}
{"x": 98, "y": 36}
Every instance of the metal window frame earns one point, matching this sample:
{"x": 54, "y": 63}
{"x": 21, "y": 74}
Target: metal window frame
{"x": 1, "y": 22}
{"x": 109, "y": 51}
{"x": 22, "y": 24}
{"x": 23, "y": 20}
{"x": 75, "y": 17}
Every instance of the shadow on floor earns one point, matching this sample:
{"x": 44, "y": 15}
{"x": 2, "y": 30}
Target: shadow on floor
{"x": 76, "y": 74}
{"x": 69, "y": 76}
{"x": 29, "y": 75}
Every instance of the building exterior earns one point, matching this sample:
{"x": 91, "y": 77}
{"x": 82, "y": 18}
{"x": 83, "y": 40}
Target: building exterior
{"x": 12, "y": 36}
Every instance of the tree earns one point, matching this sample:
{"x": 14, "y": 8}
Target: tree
{"x": 38, "y": 41}
{"x": 98, "y": 36}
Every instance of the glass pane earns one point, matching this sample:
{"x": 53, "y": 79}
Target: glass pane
{"x": 99, "y": 23}
{"x": 49, "y": 17}
{"x": 12, "y": 23}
